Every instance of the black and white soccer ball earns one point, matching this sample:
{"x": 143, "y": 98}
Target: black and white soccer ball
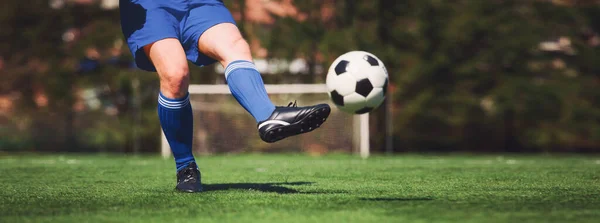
{"x": 357, "y": 82}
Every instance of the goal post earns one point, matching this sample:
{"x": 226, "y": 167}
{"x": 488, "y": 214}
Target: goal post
{"x": 209, "y": 98}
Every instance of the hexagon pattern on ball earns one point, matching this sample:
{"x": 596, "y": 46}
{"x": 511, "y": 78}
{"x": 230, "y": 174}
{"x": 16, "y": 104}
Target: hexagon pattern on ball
{"x": 337, "y": 98}
{"x": 364, "y": 87}
{"x": 357, "y": 82}
{"x": 375, "y": 98}
{"x": 376, "y": 78}
{"x": 371, "y": 60}
{"x": 360, "y": 69}
{"x": 342, "y": 89}
{"x": 353, "y": 102}
{"x": 340, "y": 68}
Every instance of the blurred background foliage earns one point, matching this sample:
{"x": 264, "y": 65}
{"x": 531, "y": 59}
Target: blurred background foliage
{"x": 482, "y": 76}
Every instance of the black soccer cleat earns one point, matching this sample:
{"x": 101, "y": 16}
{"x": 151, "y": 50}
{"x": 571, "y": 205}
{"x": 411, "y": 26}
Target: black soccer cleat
{"x": 292, "y": 120}
{"x": 189, "y": 179}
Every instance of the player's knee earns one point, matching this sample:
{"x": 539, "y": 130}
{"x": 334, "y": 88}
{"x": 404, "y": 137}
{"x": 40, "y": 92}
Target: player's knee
{"x": 175, "y": 81}
{"x": 236, "y": 49}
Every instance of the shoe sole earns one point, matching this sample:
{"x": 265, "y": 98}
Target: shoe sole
{"x": 309, "y": 123}
{"x": 188, "y": 191}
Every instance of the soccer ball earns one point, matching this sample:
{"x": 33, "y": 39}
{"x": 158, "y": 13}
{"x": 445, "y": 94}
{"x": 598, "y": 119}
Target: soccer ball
{"x": 357, "y": 82}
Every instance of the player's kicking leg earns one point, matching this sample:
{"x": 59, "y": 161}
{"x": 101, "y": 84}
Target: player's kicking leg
{"x": 175, "y": 110}
{"x": 225, "y": 43}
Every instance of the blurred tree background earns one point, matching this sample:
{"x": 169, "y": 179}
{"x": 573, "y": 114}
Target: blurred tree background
{"x": 483, "y": 76}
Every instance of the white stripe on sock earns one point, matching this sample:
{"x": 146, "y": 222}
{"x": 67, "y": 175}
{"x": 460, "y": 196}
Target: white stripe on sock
{"x": 174, "y": 107}
{"x": 233, "y": 67}
{"x": 173, "y": 104}
{"x": 239, "y": 65}
{"x": 246, "y": 64}
{"x": 168, "y": 103}
{"x": 171, "y": 101}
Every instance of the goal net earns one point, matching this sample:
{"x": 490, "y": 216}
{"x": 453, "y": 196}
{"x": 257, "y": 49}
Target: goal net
{"x": 221, "y": 125}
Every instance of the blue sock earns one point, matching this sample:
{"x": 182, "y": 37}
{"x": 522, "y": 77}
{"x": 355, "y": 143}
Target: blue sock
{"x": 248, "y": 88}
{"x": 177, "y": 123}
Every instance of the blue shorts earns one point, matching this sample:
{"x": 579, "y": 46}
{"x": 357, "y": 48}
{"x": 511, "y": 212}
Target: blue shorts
{"x": 146, "y": 21}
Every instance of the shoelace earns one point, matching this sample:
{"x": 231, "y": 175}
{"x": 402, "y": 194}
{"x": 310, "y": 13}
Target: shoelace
{"x": 292, "y": 104}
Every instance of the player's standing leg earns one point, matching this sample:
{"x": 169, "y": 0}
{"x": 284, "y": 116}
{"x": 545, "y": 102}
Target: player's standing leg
{"x": 225, "y": 43}
{"x": 174, "y": 108}
{"x": 153, "y": 31}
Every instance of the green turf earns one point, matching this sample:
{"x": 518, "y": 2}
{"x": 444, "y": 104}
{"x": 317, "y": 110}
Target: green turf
{"x": 295, "y": 188}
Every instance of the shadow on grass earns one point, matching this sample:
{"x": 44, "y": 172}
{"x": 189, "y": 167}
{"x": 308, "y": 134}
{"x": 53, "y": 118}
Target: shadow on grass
{"x": 397, "y": 199}
{"x": 263, "y": 187}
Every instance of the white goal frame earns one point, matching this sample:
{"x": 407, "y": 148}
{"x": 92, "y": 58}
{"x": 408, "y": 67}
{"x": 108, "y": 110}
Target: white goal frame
{"x": 361, "y": 122}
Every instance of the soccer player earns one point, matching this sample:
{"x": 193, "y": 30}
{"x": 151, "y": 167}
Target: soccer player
{"x": 163, "y": 35}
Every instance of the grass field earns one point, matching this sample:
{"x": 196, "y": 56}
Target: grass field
{"x": 296, "y": 188}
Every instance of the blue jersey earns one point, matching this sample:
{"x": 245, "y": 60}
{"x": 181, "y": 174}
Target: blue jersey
{"x": 146, "y": 21}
